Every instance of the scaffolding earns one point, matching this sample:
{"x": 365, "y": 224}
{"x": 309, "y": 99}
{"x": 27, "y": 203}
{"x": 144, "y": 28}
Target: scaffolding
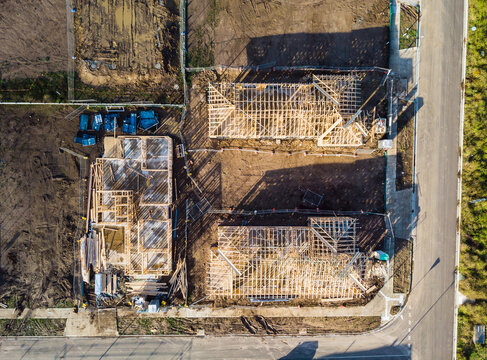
{"x": 327, "y": 110}
{"x": 132, "y": 192}
{"x": 320, "y": 260}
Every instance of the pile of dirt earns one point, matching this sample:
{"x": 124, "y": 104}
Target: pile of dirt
{"x": 126, "y": 42}
{"x": 313, "y": 32}
{"x": 40, "y": 209}
{"x": 32, "y": 38}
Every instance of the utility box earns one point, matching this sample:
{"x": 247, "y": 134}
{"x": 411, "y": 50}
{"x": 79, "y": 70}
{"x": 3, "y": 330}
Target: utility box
{"x": 153, "y": 306}
{"x": 385, "y": 144}
{"x": 479, "y": 334}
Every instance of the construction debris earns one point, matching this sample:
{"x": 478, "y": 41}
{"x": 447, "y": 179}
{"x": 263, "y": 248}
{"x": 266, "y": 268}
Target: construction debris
{"x": 179, "y": 282}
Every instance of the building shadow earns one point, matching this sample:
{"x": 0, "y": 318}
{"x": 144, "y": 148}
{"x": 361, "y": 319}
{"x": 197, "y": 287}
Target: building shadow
{"x": 357, "y": 48}
{"x": 307, "y": 350}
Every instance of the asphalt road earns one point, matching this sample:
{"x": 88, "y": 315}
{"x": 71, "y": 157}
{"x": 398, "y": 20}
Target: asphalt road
{"x": 425, "y": 329}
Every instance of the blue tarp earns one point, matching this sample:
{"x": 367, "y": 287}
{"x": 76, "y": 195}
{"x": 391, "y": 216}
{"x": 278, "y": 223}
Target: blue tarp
{"x": 97, "y": 122}
{"x": 83, "y": 122}
{"x": 130, "y": 124}
{"x": 85, "y": 139}
{"x": 147, "y": 119}
{"x": 88, "y": 140}
{"x": 110, "y": 122}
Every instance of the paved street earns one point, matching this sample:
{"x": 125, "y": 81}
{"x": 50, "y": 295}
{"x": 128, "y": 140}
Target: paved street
{"x": 203, "y": 348}
{"x": 426, "y": 326}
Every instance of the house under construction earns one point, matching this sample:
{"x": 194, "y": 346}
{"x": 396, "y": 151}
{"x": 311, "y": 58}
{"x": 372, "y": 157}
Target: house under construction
{"x": 320, "y": 260}
{"x": 328, "y": 110}
{"x": 128, "y": 213}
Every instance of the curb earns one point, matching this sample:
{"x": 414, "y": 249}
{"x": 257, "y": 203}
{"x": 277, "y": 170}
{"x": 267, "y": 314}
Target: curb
{"x": 459, "y": 184}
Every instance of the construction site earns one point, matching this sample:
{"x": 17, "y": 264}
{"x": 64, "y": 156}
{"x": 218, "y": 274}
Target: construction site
{"x": 126, "y": 42}
{"x": 265, "y": 187}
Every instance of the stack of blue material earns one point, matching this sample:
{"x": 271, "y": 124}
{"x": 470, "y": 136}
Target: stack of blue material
{"x": 85, "y": 140}
{"x": 130, "y": 124}
{"x": 110, "y": 122}
{"x": 97, "y": 121}
{"x": 83, "y": 122}
{"x": 147, "y": 119}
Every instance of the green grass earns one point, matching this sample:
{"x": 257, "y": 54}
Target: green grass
{"x": 408, "y": 27}
{"x": 473, "y": 261}
{"x": 201, "y": 53}
{"x": 408, "y": 39}
{"x": 47, "y": 87}
{"x": 52, "y": 87}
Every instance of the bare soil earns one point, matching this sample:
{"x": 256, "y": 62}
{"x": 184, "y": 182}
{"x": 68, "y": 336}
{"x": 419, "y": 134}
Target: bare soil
{"x": 40, "y": 213}
{"x": 371, "y": 232}
{"x": 405, "y": 146}
{"x": 127, "y": 42}
{"x": 286, "y": 32}
{"x": 402, "y": 266}
{"x": 32, "y": 327}
{"x": 258, "y": 325}
{"x": 246, "y": 180}
{"x": 32, "y": 38}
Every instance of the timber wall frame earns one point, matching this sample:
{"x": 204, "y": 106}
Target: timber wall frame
{"x": 326, "y": 109}
{"x": 320, "y": 260}
{"x": 132, "y": 189}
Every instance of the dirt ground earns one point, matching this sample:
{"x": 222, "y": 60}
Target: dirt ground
{"x": 312, "y": 32}
{"x": 405, "y": 146}
{"x": 32, "y": 327}
{"x": 40, "y": 212}
{"x": 371, "y": 232}
{"x": 249, "y": 180}
{"x": 196, "y": 124}
{"x": 402, "y": 266}
{"x": 127, "y": 42}
{"x": 32, "y": 38}
{"x": 258, "y": 325}
{"x": 246, "y": 180}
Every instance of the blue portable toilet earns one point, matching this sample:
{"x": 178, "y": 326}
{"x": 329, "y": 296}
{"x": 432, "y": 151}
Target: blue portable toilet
{"x": 147, "y": 119}
{"x": 97, "y": 121}
{"x": 110, "y": 122}
{"x": 83, "y": 122}
{"x": 130, "y": 124}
